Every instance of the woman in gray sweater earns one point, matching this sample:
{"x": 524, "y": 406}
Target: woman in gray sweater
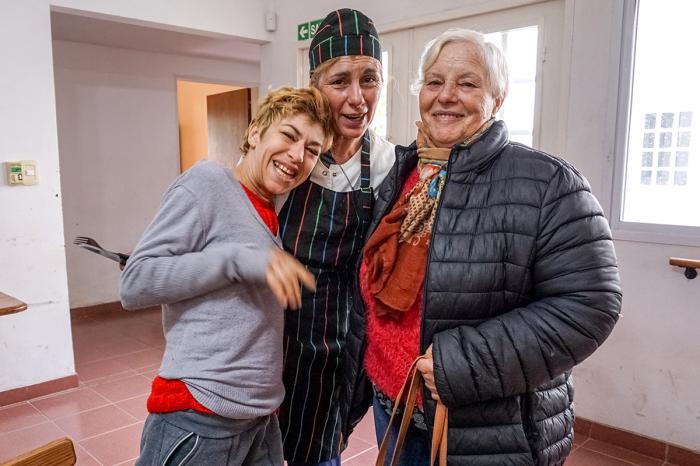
{"x": 212, "y": 258}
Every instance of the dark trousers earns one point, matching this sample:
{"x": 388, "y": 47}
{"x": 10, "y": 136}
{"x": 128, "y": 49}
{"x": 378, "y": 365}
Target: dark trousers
{"x": 192, "y": 438}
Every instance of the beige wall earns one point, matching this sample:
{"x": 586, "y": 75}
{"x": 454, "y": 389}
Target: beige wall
{"x": 117, "y": 126}
{"x": 36, "y": 344}
{"x": 192, "y": 119}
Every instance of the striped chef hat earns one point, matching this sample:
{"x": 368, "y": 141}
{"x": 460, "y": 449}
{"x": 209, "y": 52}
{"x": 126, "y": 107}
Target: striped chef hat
{"x": 344, "y": 32}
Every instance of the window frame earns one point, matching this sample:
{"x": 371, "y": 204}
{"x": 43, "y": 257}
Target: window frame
{"x": 626, "y": 230}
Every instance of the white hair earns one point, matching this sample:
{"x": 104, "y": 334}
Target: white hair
{"x": 491, "y": 57}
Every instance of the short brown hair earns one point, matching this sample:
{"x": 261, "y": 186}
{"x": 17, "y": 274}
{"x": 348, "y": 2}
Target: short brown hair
{"x": 286, "y": 102}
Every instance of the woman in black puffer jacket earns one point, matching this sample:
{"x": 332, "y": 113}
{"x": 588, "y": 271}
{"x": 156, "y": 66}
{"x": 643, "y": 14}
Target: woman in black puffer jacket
{"x": 521, "y": 282}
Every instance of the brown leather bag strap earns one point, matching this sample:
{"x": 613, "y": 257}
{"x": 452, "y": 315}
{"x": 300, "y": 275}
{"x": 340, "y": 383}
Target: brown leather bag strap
{"x": 407, "y": 416}
{"x": 439, "y": 441}
{"x": 387, "y": 434}
{"x": 410, "y": 388}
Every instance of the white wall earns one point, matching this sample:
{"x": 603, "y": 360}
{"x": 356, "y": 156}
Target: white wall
{"x": 119, "y": 151}
{"x": 35, "y": 345}
{"x": 644, "y": 379}
{"x": 239, "y": 18}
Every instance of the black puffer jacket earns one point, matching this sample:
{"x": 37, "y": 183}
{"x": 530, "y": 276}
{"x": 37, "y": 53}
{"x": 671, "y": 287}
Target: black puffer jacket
{"x": 521, "y": 286}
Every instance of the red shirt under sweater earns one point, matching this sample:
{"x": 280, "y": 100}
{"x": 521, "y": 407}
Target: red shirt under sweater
{"x": 168, "y": 396}
{"x": 393, "y": 343}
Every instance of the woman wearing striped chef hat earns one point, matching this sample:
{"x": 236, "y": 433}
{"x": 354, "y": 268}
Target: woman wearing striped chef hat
{"x": 323, "y": 224}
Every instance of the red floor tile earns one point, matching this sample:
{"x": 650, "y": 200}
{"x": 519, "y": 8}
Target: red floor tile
{"x": 21, "y": 441}
{"x": 584, "y": 457}
{"x": 621, "y": 453}
{"x": 109, "y": 379}
{"x": 117, "y": 446}
{"x": 366, "y": 458}
{"x": 357, "y": 446}
{"x": 141, "y": 359}
{"x": 150, "y": 375}
{"x": 647, "y": 446}
{"x": 129, "y": 345}
{"x": 19, "y": 416}
{"x": 95, "y": 422}
{"x": 69, "y": 403}
{"x": 151, "y": 368}
{"x": 135, "y": 406}
{"x": 117, "y": 356}
{"x": 104, "y": 368}
{"x": 108, "y": 349}
{"x": 123, "y": 389}
{"x": 365, "y": 429}
{"x": 127, "y": 463}
{"x": 83, "y": 457}
{"x": 151, "y": 336}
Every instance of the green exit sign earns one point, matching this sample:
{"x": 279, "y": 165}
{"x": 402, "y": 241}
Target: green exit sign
{"x": 308, "y": 30}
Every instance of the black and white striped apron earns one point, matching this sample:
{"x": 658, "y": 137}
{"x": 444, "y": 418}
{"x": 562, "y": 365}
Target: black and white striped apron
{"x": 325, "y": 230}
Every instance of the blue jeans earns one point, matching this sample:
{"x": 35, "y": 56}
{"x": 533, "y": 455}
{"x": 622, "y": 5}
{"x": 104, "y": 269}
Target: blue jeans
{"x": 416, "y": 447}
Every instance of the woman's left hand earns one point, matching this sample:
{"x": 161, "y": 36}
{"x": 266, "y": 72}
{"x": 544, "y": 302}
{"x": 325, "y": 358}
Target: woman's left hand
{"x": 425, "y": 366}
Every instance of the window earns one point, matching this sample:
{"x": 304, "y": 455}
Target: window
{"x": 658, "y": 160}
{"x": 662, "y": 167}
{"x": 381, "y": 115}
{"x": 518, "y": 111}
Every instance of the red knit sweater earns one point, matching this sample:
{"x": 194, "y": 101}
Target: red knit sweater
{"x": 265, "y": 209}
{"x": 168, "y": 396}
{"x": 393, "y": 343}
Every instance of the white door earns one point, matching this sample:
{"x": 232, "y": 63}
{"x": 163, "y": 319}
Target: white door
{"x": 530, "y": 36}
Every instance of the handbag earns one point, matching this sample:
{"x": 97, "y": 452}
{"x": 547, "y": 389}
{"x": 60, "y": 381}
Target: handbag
{"x": 438, "y": 449}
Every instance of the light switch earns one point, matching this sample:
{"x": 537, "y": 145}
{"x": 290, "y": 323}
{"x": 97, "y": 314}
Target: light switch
{"x": 23, "y": 172}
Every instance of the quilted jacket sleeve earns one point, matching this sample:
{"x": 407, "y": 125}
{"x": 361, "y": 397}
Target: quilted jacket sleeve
{"x": 576, "y": 303}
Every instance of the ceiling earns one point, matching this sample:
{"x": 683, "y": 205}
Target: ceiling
{"x": 110, "y": 33}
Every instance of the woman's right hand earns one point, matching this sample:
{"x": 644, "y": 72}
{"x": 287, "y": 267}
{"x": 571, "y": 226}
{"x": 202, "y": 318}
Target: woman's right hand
{"x": 285, "y": 275}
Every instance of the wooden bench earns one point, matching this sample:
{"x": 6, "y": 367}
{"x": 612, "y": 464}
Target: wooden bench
{"x": 57, "y": 453}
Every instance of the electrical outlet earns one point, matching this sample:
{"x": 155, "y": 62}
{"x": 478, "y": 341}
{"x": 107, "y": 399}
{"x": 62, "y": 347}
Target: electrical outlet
{"x": 23, "y": 172}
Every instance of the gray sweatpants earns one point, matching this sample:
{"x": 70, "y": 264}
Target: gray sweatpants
{"x": 192, "y": 438}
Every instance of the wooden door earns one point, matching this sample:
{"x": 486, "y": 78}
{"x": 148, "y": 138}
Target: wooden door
{"x": 228, "y": 115}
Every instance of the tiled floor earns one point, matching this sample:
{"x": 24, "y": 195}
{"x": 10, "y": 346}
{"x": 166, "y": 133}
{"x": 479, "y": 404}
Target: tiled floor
{"x": 117, "y": 355}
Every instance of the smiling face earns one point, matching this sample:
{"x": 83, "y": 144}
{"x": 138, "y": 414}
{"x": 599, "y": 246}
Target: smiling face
{"x": 455, "y": 99}
{"x": 352, "y": 85}
{"x": 282, "y": 157}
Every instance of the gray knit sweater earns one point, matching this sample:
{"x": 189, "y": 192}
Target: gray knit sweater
{"x": 203, "y": 258}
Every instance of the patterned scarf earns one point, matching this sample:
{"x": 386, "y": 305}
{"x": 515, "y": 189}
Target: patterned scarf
{"x": 397, "y": 252}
